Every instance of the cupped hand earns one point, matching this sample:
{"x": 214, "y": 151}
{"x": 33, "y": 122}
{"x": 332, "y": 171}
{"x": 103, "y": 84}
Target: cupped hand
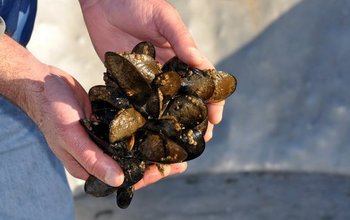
{"x": 118, "y": 25}
{"x": 62, "y": 103}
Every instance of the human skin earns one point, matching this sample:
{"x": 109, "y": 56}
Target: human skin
{"x": 120, "y": 25}
{"x": 56, "y": 101}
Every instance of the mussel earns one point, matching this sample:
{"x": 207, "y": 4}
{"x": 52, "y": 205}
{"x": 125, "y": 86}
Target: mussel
{"x": 150, "y": 114}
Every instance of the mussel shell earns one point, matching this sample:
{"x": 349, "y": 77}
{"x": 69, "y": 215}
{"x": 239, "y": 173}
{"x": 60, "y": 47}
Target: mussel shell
{"x": 198, "y": 84}
{"x": 193, "y": 142}
{"x": 202, "y": 127}
{"x": 225, "y": 85}
{"x": 154, "y": 105}
{"x": 98, "y": 132}
{"x": 154, "y": 148}
{"x": 168, "y": 127}
{"x": 124, "y": 196}
{"x": 145, "y": 47}
{"x": 97, "y": 187}
{"x": 133, "y": 169}
{"x": 168, "y": 83}
{"x": 110, "y": 95}
{"x": 146, "y": 65}
{"x": 128, "y": 78}
{"x": 124, "y": 124}
{"x": 189, "y": 111}
{"x": 177, "y": 65}
{"x": 109, "y": 81}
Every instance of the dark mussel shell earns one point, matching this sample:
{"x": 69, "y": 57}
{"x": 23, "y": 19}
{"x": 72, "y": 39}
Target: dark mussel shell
{"x": 109, "y": 81}
{"x": 177, "y": 65}
{"x": 145, "y": 47}
{"x": 98, "y": 132}
{"x": 197, "y": 83}
{"x": 166, "y": 126}
{"x": 168, "y": 83}
{"x": 133, "y": 169}
{"x": 193, "y": 142}
{"x": 97, "y": 187}
{"x": 128, "y": 78}
{"x": 157, "y": 149}
{"x": 103, "y": 111}
{"x": 124, "y": 196}
{"x": 189, "y": 111}
{"x": 153, "y": 106}
{"x": 108, "y": 94}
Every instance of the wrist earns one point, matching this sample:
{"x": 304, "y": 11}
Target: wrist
{"x": 21, "y": 76}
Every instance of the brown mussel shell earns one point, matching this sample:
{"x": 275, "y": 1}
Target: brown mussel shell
{"x": 124, "y": 124}
{"x": 146, "y": 65}
{"x": 168, "y": 83}
{"x": 196, "y": 83}
{"x": 145, "y": 47}
{"x": 225, "y": 85}
{"x": 128, "y": 78}
{"x": 157, "y": 149}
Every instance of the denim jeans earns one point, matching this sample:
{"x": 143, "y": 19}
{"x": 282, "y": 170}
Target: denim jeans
{"x": 33, "y": 184}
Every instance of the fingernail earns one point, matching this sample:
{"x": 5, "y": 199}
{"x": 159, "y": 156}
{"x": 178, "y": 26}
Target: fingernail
{"x": 208, "y": 134}
{"x": 113, "y": 178}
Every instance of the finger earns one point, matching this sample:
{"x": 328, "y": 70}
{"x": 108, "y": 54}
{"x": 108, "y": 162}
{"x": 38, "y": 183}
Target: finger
{"x": 91, "y": 158}
{"x": 171, "y": 26}
{"x": 74, "y": 168}
{"x": 164, "y": 54}
{"x": 152, "y": 173}
{"x": 71, "y": 165}
{"x": 215, "y": 111}
{"x": 78, "y": 90}
{"x": 209, "y": 133}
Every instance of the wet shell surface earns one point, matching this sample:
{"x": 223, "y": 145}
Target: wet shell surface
{"x": 150, "y": 114}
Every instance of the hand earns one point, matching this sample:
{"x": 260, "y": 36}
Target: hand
{"x": 55, "y": 101}
{"x": 64, "y": 103}
{"x": 119, "y": 25}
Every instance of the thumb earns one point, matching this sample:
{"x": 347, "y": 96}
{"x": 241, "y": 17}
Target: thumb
{"x": 171, "y": 26}
{"x": 91, "y": 158}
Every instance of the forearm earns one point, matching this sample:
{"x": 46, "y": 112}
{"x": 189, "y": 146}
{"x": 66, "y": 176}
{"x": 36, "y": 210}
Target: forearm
{"x": 21, "y": 76}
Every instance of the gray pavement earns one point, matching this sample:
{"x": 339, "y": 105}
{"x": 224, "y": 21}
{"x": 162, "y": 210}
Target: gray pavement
{"x": 241, "y": 196}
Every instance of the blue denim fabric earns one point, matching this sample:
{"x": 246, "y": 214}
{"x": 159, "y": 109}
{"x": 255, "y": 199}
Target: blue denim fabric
{"x": 33, "y": 184}
{"x": 19, "y": 16}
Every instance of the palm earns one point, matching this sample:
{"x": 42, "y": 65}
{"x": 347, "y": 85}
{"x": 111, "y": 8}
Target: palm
{"x": 131, "y": 23}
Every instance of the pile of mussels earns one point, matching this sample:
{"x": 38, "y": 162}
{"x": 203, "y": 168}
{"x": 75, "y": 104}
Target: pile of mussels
{"x": 150, "y": 114}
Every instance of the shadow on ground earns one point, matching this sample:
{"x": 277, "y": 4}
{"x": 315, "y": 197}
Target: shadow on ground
{"x": 291, "y": 108}
{"x": 243, "y": 196}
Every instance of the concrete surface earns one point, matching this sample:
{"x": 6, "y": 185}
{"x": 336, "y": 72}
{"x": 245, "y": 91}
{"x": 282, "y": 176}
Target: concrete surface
{"x": 241, "y": 196}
